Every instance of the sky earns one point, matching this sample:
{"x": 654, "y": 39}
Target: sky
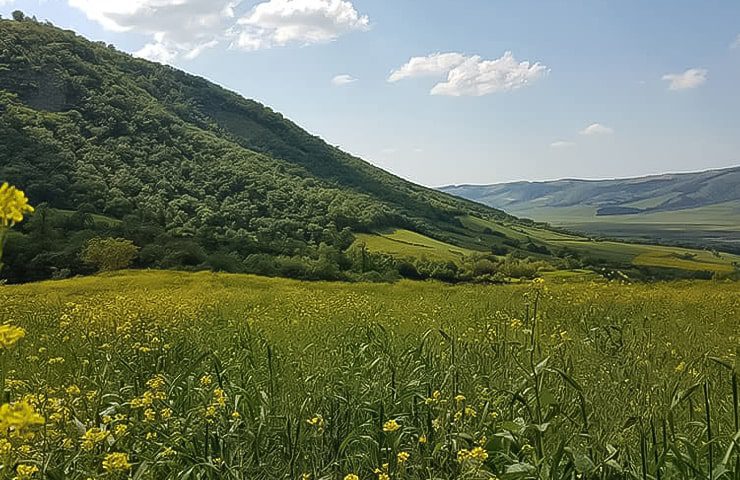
{"x": 460, "y": 91}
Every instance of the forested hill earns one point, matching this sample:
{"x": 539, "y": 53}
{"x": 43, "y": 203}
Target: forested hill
{"x": 190, "y": 171}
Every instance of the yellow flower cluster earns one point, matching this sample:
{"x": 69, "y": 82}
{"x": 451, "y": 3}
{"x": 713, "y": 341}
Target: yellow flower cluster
{"x": 116, "y": 462}
{"x": 9, "y": 335}
{"x": 391, "y": 426}
{"x": 92, "y": 437}
{"x": 477, "y": 454}
{"x": 13, "y": 205}
{"x": 26, "y": 471}
{"x": 382, "y": 472}
{"x": 317, "y": 421}
{"x": 18, "y": 416}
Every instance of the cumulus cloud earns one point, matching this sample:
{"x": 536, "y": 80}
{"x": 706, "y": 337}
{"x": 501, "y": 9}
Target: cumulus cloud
{"x": 433, "y": 65}
{"x": 341, "y": 80}
{"x": 304, "y": 22}
{"x": 562, "y": 144}
{"x": 691, "y": 78}
{"x": 185, "y": 28}
{"x": 471, "y": 75}
{"x": 597, "y": 129}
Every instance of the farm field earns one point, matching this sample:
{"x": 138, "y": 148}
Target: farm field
{"x": 404, "y": 243}
{"x": 154, "y": 374}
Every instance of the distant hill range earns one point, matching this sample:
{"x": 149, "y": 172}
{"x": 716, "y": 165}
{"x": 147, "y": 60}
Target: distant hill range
{"x": 696, "y": 209}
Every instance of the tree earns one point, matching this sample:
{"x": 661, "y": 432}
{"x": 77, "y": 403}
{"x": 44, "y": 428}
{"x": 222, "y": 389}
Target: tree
{"x": 18, "y": 16}
{"x": 109, "y": 254}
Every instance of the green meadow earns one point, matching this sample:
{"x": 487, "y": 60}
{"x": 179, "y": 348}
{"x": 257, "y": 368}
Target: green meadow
{"x": 204, "y": 375}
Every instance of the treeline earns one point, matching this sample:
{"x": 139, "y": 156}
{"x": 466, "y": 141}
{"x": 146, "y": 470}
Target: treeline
{"x": 55, "y": 243}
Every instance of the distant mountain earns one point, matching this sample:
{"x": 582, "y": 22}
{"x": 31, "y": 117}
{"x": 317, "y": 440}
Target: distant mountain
{"x": 701, "y": 208}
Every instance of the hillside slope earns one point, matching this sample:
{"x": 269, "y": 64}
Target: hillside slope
{"x": 187, "y": 169}
{"x": 107, "y": 145}
{"x": 701, "y": 208}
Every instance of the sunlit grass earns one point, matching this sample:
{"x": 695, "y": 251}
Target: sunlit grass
{"x": 174, "y": 375}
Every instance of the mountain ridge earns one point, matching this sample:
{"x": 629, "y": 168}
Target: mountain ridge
{"x": 657, "y": 202}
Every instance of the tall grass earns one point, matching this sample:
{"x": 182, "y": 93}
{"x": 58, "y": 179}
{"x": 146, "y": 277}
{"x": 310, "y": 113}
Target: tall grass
{"x": 217, "y": 376}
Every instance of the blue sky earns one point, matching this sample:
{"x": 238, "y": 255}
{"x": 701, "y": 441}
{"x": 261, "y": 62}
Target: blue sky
{"x": 591, "y": 89}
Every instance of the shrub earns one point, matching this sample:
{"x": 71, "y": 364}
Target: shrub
{"x": 109, "y": 254}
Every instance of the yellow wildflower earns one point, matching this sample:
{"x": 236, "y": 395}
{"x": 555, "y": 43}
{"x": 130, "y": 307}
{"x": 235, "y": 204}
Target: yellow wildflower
{"x": 9, "y": 335}
{"x": 391, "y": 426}
{"x": 150, "y": 415}
{"x": 13, "y": 205}
{"x": 402, "y": 457}
{"x": 120, "y": 430}
{"x": 206, "y": 380}
{"x": 422, "y": 439}
{"x": 92, "y": 437}
{"x": 351, "y": 476}
{"x": 317, "y": 421}
{"x": 219, "y": 397}
{"x": 72, "y": 390}
{"x": 116, "y": 462}
{"x": 18, "y": 415}
{"x": 26, "y": 471}
{"x": 156, "y": 382}
{"x": 479, "y": 453}
{"x": 167, "y": 453}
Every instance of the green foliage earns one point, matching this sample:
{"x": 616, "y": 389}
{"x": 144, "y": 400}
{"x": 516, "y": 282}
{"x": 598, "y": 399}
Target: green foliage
{"x": 218, "y": 376}
{"x": 109, "y": 254}
{"x": 87, "y": 129}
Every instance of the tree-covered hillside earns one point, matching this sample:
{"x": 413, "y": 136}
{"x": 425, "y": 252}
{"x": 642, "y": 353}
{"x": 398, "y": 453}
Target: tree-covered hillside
{"x": 105, "y": 143}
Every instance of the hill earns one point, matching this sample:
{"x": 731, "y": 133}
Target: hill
{"x": 108, "y": 145}
{"x": 190, "y": 170}
{"x": 700, "y": 209}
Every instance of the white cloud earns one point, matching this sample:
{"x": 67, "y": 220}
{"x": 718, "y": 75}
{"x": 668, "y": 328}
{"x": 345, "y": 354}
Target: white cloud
{"x": 691, "y": 78}
{"x": 435, "y": 65}
{"x": 597, "y": 129}
{"x": 304, "y": 22}
{"x": 562, "y": 144}
{"x": 736, "y": 43}
{"x": 177, "y": 27}
{"x": 185, "y": 28}
{"x": 471, "y": 76}
{"x": 341, "y": 80}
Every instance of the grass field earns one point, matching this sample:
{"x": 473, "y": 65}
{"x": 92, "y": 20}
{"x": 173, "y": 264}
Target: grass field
{"x": 405, "y": 243}
{"x": 715, "y": 226}
{"x": 615, "y": 252}
{"x": 155, "y": 375}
